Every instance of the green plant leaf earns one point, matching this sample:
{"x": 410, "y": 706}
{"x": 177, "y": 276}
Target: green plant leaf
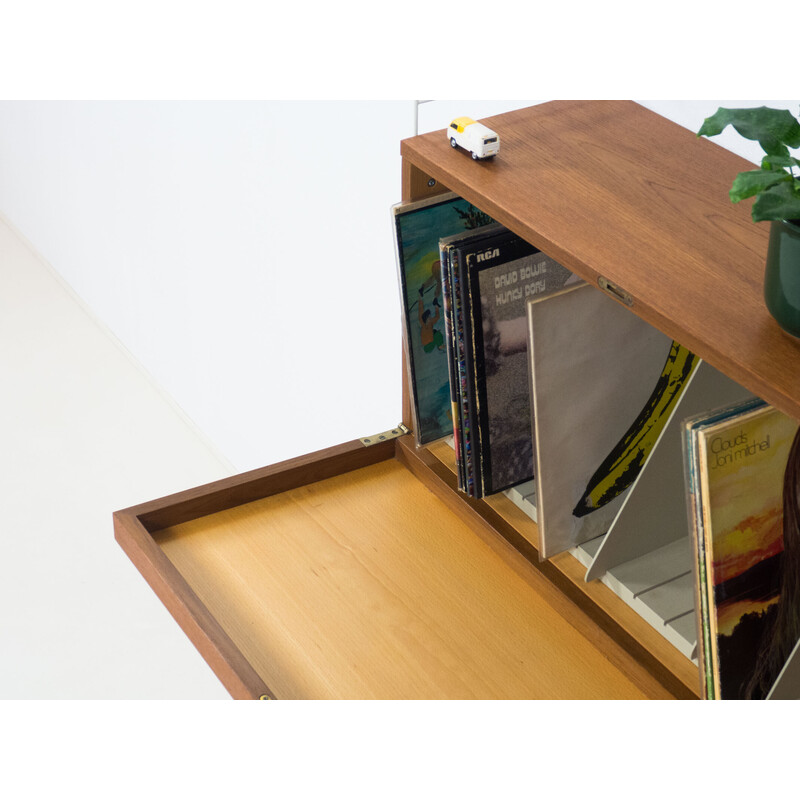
{"x": 774, "y": 129}
{"x": 746, "y": 184}
{"x": 776, "y": 162}
{"x": 781, "y": 201}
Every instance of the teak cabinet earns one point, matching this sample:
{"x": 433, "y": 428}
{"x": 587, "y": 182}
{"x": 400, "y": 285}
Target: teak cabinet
{"x": 360, "y": 571}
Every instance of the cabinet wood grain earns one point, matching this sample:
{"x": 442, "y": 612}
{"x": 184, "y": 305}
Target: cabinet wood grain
{"x": 612, "y": 189}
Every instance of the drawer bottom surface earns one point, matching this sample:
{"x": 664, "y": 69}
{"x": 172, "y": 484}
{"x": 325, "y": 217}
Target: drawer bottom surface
{"x": 365, "y": 585}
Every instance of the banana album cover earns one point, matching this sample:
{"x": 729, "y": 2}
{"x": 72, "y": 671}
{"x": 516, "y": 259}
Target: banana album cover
{"x": 604, "y": 383}
{"x": 418, "y": 227}
{"x": 743, "y": 476}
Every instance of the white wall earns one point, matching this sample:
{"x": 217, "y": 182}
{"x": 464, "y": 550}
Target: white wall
{"x": 82, "y": 433}
{"x": 691, "y": 113}
{"x": 242, "y": 251}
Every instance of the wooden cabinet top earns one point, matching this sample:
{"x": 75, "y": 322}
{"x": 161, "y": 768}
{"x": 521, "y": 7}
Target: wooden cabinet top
{"x": 612, "y": 189}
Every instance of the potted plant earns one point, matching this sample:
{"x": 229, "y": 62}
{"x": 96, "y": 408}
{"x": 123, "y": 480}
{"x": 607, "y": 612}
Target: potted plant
{"x": 776, "y": 188}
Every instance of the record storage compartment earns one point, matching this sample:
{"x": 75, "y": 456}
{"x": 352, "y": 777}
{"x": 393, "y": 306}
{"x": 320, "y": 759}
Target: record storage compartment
{"x": 361, "y": 571}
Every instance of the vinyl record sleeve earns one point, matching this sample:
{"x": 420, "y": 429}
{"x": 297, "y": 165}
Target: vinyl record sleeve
{"x": 450, "y": 338}
{"x": 450, "y": 250}
{"x": 704, "y": 596}
{"x": 499, "y": 278}
{"x": 739, "y": 479}
{"x": 594, "y": 366}
{"x": 467, "y": 396}
{"x": 417, "y": 229}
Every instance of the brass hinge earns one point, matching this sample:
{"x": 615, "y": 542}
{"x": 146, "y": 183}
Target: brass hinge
{"x": 394, "y": 433}
{"x": 617, "y": 292}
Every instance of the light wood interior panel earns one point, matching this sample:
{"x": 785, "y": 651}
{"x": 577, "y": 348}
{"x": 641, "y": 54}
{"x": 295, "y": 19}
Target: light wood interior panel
{"x": 366, "y": 586}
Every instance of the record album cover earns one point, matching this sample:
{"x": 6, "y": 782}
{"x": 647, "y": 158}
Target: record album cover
{"x": 604, "y": 383}
{"x": 451, "y": 251}
{"x": 499, "y": 276}
{"x": 742, "y": 475}
{"x": 418, "y": 227}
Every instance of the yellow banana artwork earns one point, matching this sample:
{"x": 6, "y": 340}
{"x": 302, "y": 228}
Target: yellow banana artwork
{"x": 622, "y": 465}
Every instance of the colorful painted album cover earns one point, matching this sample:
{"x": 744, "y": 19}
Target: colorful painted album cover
{"x": 742, "y": 469}
{"x": 418, "y": 227}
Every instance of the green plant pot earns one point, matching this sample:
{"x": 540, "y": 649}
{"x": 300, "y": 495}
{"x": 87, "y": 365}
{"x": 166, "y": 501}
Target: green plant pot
{"x": 782, "y": 278}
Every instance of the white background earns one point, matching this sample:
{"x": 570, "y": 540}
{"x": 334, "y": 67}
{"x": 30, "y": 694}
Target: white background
{"x": 175, "y": 241}
{"x": 241, "y": 251}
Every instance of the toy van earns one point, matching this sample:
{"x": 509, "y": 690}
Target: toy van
{"x": 480, "y": 141}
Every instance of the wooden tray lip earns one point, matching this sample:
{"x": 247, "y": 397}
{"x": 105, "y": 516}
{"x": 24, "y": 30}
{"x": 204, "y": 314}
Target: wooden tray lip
{"x": 134, "y": 530}
{"x": 245, "y": 487}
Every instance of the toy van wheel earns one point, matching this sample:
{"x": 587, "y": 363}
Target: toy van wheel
{"x": 474, "y": 156}
{"x": 452, "y": 142}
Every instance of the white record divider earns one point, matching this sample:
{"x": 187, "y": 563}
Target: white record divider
{"x": 646, "y": 556}
{"x": 649, "y": 564}
{"x": 787, "y": 684}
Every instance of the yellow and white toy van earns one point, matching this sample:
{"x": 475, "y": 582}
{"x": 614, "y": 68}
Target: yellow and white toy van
{"x": 476, "y": 138}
